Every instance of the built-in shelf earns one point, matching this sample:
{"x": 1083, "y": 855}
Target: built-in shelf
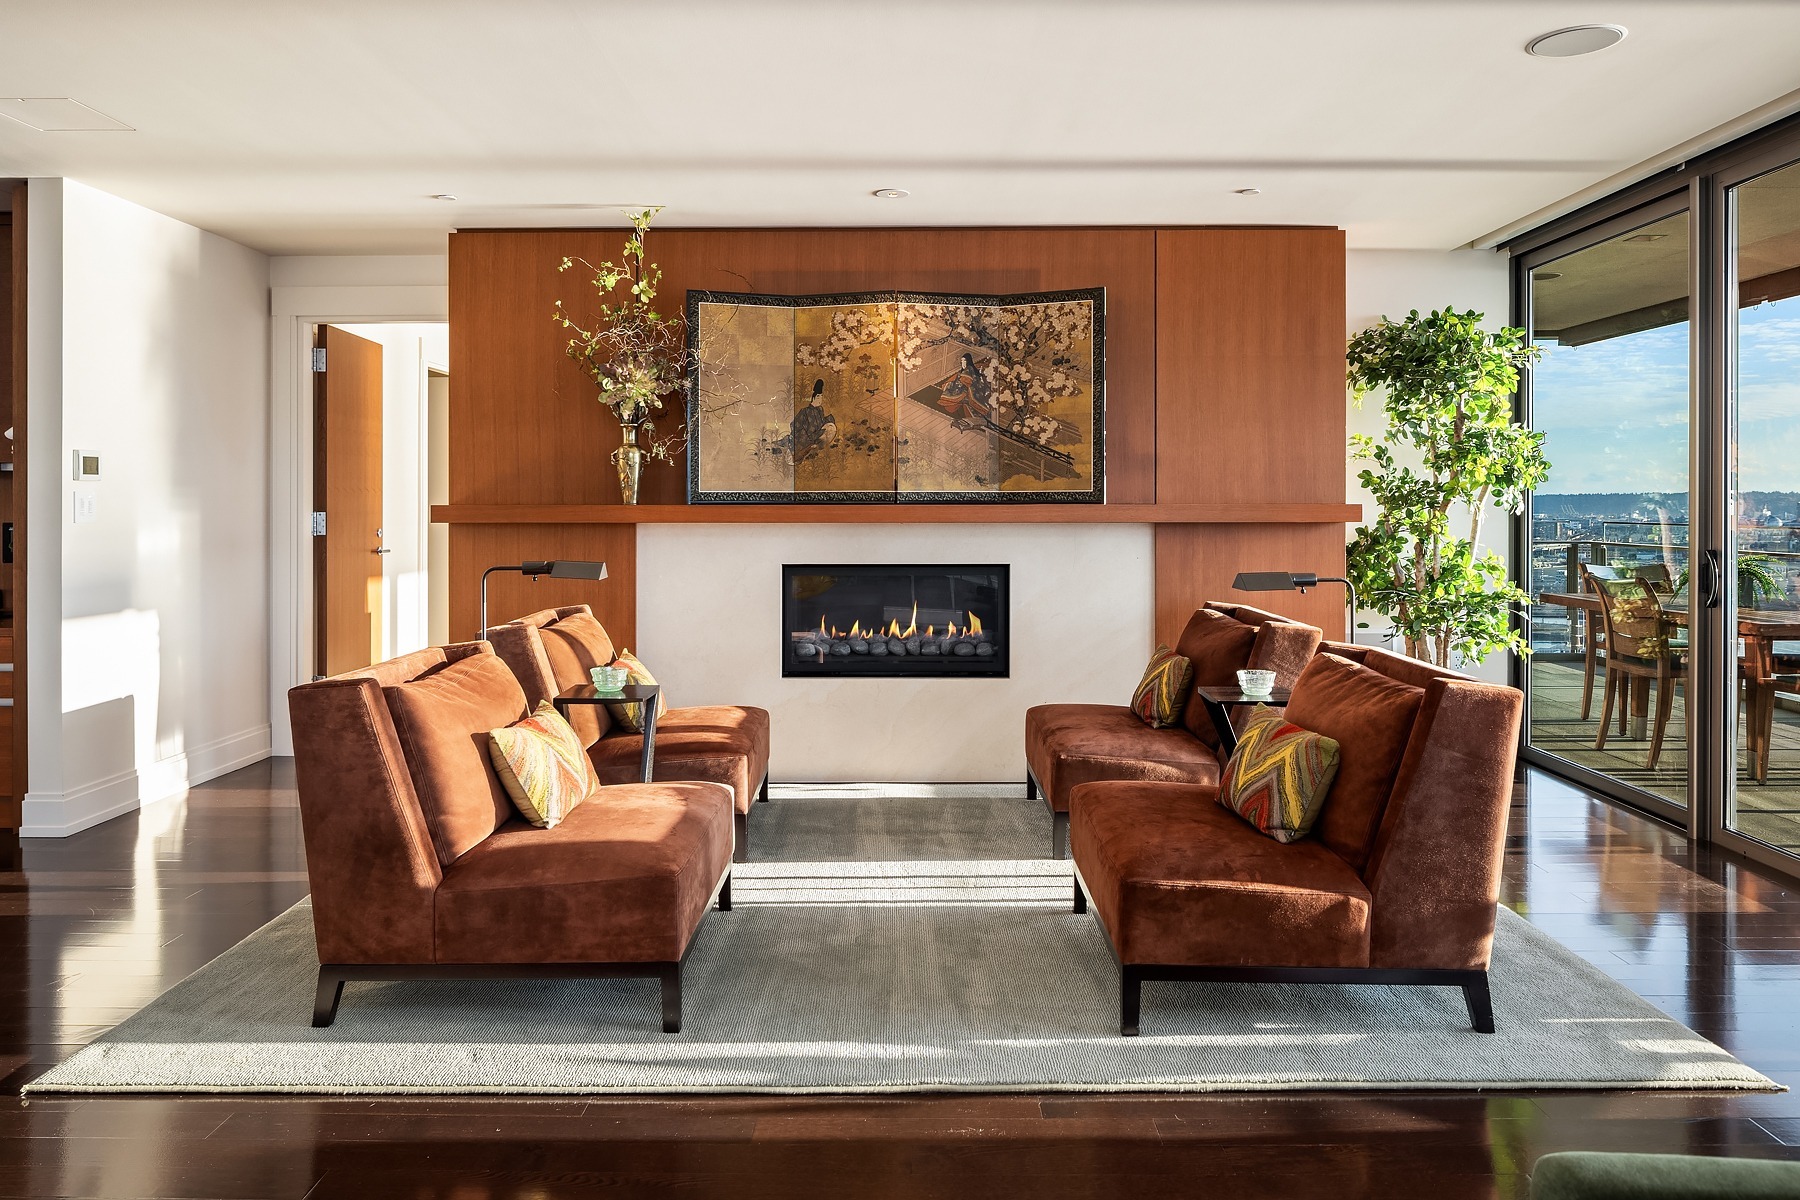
{"x": 895, "y": 514}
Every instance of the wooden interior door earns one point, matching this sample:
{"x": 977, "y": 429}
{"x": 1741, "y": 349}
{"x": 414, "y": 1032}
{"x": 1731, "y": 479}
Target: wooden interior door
{"x": 347, "y": 596}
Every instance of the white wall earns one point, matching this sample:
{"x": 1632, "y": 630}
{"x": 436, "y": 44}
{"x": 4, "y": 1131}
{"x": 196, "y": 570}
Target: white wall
{"x": 1391, "y": 283}
{"x": 709, "y": 616}
{"x": 408, "y": 352}
{"x": 163, "y": 597}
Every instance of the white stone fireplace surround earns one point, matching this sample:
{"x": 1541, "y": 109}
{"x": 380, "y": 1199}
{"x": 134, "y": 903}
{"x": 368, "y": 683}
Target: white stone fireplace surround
{"x": 709, "y": 609}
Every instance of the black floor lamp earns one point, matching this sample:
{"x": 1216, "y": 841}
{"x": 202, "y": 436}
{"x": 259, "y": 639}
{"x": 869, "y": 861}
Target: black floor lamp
{"x": 1294, "y": 581}
{"x": 557, "y": 568}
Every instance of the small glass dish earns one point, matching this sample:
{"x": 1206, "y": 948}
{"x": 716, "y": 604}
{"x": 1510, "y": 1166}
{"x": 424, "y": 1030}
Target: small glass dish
{"x": 609, "y": 679}
{"x": 1256, "y": 683}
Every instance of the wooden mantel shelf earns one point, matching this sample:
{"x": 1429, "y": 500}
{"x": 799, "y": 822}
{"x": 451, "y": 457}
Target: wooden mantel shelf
{"x": 895, "y": 514}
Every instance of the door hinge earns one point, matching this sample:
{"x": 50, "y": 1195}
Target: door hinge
{"x": 318, "y": 359}
{"x": 318, "y": 524}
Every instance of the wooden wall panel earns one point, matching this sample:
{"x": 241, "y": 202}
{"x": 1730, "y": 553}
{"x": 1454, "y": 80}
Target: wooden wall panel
{"x": 1196, "y": 563}
{"x": 1224, "y": 365}
{"x": 474, "y": 548}
{"x": 1250, "y": 365}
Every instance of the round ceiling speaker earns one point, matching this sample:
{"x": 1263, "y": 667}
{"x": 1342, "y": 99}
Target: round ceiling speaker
{"x": 1575, "y": 40}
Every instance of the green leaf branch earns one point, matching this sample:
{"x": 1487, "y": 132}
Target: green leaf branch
{"x": 634, "y": 354}
{"x": 1448, "y": 386}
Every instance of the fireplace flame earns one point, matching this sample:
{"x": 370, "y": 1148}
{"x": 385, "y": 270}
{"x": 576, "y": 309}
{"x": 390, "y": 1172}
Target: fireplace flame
{"x": 974, "y": 623}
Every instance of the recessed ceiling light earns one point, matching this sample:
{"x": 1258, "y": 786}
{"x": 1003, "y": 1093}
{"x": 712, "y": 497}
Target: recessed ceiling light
{"x": 1546, "y": 276}
{"x": 59, "y": 114}
{"x": 891, "y": 193}
{"x": 443, "y": 196}
{"x": 1575, "y": 40}
{"x": 1247, "y": 191}
{"x": 1646, "y": 237}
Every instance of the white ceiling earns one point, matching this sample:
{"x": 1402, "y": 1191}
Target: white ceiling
{"x": 325, "y": 126}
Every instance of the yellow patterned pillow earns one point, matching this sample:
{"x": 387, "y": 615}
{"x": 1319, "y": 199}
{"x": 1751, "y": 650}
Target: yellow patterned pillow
{"x": 630, "y": 714}
{"x": 542, "y": 765}
{"x": 1279, "y": 775}
{"x": 1163, "y": 693}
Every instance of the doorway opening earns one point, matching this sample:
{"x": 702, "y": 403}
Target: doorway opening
{"x": 380, "y": 408}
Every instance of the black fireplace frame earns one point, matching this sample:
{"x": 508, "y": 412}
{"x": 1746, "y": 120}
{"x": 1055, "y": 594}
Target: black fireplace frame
{"x": 999, "y": 666}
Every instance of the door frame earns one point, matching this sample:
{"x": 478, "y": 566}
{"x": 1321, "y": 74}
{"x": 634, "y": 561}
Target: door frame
{"x": 1700, "y": 186}
{"x": 294, "y": 312}
{"x": 1647, "y": 211}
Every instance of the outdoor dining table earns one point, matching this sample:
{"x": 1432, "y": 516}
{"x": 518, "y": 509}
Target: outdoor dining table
{"x": 1759, "y": 628}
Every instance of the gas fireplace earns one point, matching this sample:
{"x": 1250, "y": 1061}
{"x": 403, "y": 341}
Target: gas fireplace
{"x": 894, "y": 620}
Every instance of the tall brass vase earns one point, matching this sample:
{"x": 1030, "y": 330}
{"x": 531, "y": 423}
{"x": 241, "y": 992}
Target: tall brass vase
{"x": 629, "y": 459}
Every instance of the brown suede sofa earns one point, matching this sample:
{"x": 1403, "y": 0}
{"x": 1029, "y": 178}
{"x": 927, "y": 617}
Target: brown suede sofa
{"x": 422, "y": 869}
{"x": 1397, "y": 883}
{"x": 1067, "y": 745}
{"x": 553, "y": 650}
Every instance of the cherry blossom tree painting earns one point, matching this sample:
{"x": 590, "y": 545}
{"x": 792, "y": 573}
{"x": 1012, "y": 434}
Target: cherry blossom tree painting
{"x": 895, "y": 396}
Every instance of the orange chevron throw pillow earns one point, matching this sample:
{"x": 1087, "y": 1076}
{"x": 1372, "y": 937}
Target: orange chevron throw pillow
{"x": 1279, "y": 775}
{"x": 1163, "y": 693}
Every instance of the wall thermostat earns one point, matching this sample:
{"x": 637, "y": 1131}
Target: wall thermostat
{"x": 87, "y": 465}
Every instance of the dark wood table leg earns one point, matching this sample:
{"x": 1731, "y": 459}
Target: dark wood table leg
{"x": 1221, "y": 719}
{"x": 651, "y": 709}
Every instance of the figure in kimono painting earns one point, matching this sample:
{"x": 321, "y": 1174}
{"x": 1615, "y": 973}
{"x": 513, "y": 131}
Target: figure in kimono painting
{"x": 964, "y": 396}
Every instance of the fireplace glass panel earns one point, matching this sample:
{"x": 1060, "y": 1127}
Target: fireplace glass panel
{"x": 889, "y": 621}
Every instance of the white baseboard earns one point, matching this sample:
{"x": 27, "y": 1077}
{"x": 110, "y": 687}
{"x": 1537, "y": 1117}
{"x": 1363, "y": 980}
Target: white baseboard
{"x": 174, "y": 775}
{"x": 59, "y": 814}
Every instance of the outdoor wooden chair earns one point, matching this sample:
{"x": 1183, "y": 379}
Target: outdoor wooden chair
{"x": 1596, "y": 635}
{"x": 1645, "y": 649}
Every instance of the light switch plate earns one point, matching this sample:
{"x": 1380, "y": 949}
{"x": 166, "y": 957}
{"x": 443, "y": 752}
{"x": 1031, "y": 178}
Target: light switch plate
{"x": 87, "y": 506}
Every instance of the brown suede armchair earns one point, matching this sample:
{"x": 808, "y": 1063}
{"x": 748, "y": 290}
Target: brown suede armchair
{"x": 1070, "y": 744}
{"x": 422, "y": 869}
{"x": 553, "y": 650}
{"x": 1397, "y": 883}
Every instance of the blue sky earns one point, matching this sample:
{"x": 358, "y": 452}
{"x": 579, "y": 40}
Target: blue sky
{"x": 1616, "y": 412}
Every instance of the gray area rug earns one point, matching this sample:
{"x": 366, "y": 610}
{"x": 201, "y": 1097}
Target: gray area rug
{"x": 890, "y": 943}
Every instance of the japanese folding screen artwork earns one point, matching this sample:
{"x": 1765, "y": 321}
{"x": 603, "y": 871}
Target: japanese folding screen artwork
{"x": 891, "y": 396}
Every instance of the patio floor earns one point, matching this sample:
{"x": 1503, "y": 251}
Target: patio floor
{"x": 1767, "y": 811}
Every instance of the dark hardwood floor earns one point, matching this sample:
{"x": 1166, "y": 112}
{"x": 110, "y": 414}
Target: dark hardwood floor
{"x": 98, "y": 924}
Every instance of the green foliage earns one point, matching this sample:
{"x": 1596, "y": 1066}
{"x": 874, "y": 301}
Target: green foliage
{"x": 633, "y": 353}
{"x": 1758, "y": 578}
{"x": 1448, "y": 387}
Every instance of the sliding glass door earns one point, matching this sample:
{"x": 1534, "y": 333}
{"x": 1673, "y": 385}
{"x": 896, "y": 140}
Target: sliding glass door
{"x": 1609, "y": 530}
{"x": 1663, "y": 553}
{"x": 1762, "y": 215}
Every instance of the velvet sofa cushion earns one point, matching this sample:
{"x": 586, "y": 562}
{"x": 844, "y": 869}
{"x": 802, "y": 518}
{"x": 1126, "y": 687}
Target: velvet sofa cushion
{"x": 714, "y": 743}
{"x": 442, "y": 719}
{"x": 626, "y": 878}
{"x": 1371, "y": 718}
{"x": 1600, "y": 1175}
{"x": 1175, "y": 878}
{"x": 1219, "y": 647}
{"x": 1070, "y": 744}
{"x": 575, "y": 644}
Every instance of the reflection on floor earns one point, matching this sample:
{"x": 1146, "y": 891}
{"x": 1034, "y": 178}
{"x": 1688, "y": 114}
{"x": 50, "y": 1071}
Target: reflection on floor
{"x": 98, "y": 923}
{"x": 1769, "y": 811}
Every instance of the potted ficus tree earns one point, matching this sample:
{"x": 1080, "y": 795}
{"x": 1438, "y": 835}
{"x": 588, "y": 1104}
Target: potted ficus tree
{"x": 632, "y": 352}
{"x": 1451, "y": 452}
